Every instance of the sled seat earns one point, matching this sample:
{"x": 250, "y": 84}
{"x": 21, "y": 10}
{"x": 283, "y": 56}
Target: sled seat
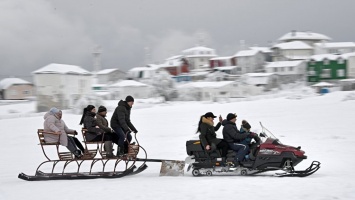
{"x": 43, "y": 143}
{"x": 91, "y": 153}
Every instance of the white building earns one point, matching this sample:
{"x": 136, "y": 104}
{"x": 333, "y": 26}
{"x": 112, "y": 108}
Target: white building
{"x": 60, "y": 85}
{"x": 108, "y": 76}
{"x": 266, "y": 80}
{"x": 350, "y": 65}
{"x": 141, "y": 73}
{"x": 307, "y": 37}
{"x": 15, "y": 88}
{"x": 198, "y": 57}
{"x": 295, "y": 50}
{"x": 212, "y": 91}
{"x": 334, "y": 47}
{"x": 288, "y": 71}
{"x": 249, "y": 61}
{"x": 123, "y": 88}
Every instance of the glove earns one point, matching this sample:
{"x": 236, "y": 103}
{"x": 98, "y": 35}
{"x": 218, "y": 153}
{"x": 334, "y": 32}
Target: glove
{"x": 135, "y": 131}
{"x": 75, "y": 133}
{"x": 129, "y": 131}
{"x": 252, "y": 135}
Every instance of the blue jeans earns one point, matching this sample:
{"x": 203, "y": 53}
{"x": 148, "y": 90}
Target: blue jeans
{"x": 122, "y": 136}
{"x": 240, "y": 149}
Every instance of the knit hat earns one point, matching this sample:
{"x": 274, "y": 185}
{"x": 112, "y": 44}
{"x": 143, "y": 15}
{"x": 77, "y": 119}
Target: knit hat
{"x": 54, "y": 110}
{"x": 129, "y": 98}
{"x": 101, "y": 109}
{"x": 231, "y": 116}
{"x": 210, "y": 114}
{"x": 246, "y": 125}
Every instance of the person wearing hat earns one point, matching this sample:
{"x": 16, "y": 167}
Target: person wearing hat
{"x": 53, "y": 122}
{"x": 94, "y": 132}
{"x": 122, "y": 125}
{"x": 233, "y": 137}
{"x": 245, "y": 128}
{"x": 103, "y": 124}
{"x": 208, "y": 136}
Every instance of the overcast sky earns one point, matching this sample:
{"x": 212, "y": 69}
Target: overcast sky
{"x": 34, "y": 33}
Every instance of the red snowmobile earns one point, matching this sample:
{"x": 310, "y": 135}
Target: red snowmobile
{"x": 269, "y": 154}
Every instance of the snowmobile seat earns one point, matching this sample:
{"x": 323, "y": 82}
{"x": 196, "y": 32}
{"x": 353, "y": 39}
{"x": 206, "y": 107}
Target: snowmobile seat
{"x": 43, "y": 143}
{"x": 194, "y": 147}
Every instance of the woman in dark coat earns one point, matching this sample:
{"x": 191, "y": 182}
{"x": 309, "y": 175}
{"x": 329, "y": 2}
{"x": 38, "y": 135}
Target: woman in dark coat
{"x": 208, "y": 134}
{"x": 94, "y": 132}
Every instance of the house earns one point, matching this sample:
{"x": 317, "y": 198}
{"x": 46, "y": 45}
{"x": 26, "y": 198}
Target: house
{"x": 60, "y": 85}
{"x": 295, "y": 50}
{"x": 198, "y": 57}
{"x": 249, "y": 61}
{"x": 266, "y": 51}
{"x": 326, "y": 67}
{"x": 212, "y": 91}
{"x": 222, "y": 61}
{"x": 334, "y": 47}
{"x": 266, "y": 80}
{"x": 123, "y": 88}
{"x": 288, "y": 71}
{"x": 307, "y": 37}
{"x": 15, "y": 89}
{"x": 108, "y": 76}
{"x": 141, "y": 73}
{"x": 350, "y": 65}
{"x": 176, "y": 65}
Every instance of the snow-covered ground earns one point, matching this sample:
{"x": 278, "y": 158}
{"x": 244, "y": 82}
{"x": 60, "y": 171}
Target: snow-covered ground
{"x": 323, "y": 125}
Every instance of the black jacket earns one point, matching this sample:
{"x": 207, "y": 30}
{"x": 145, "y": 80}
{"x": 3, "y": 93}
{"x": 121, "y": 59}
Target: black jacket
{"x": 90, "y": 124}
{"x": 231, "y": 133}
{"x": 121, "y": 118}
{"x": 208, "y": 132}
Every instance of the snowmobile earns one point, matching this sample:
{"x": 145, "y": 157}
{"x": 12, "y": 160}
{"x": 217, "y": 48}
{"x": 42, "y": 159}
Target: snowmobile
{"x": 269, "y": 154}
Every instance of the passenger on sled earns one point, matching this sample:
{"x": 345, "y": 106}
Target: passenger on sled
{"x": 234, "y": 138}
{"x": 208, "y": 135}
{"x": 53, "y": 122}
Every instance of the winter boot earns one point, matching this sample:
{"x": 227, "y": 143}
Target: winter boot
{"x": 108, "y": 149}
{"x": 120, "y": 150}
{"x": 224, "y": 162}
{"x": 77, "y": 154}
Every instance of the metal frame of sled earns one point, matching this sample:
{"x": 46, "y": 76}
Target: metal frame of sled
{"x": 93, "y": 156}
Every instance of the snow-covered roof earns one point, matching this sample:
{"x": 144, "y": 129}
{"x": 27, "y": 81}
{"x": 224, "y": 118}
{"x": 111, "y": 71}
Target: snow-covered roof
{"x": 258, "y": 74}
{"x": 7, "y": 82}
{"x": 222, "y": 58}
{"x": 335, "y": 44}
{"x": 218, "y": 84}
{"x": 321, "y": 57}
{"x": 284, "y": 63}
{"x": 347, "y": 55}
{"x": 244, "y": 53}
{"x": 297, "y": 35}
{"x": 293, "y": 45}
{"x": 130, "y": 83}
{"x": 322, "y": 84}
{"x": 226, "y": 68}
{"x": 152, "y": 67}
{"x": 106, "y": 71}
{"x": 55, "y": 68}
{"x": 297, "y": 57}
{"x": 198, "y": 48}
{"x": 262, "y": 49}
{"x": 175, "y": 57}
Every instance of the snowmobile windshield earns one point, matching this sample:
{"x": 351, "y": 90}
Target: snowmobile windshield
{"x": 268, "y": 134}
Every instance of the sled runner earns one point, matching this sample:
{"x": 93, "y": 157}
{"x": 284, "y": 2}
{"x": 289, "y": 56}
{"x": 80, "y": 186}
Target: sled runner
{"x": 270, "y": 155}
{"x": 126, "y": 163}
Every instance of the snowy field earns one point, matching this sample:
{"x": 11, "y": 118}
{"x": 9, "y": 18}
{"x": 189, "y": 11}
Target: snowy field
{"x": 323, "y": 125}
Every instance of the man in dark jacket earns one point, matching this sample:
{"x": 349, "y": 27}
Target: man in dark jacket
{"x": 103, "y": 124}
{"x": 121, "y": 123}
{"x": 233, "y": 137}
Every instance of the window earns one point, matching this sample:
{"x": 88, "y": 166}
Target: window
{"x": 282, "y": 69}
{"x": 326, "y": 61}
{"x": 25, "y": 92}
{"x": 13, "y": 92}
{"x": 325, "y": 73}
{"x": 340, "y": 72}
{"x": 311, "y": 73}
{"x": 201, "y": 52}
{"x": 201, "y": 59}
{"x": 313, "y": 62}
{"x": 290, "y": 69}
{"x": 275, "y": 69}
{"x": 340, "y": 61}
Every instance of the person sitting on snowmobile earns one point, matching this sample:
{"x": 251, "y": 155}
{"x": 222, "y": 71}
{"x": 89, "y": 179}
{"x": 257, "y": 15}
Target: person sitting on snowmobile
{"x": 208, "y": 136}
{"x": 245, "y": 128}
{"x": 233, "y": 137}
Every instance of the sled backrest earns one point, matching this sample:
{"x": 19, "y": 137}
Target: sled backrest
{"x": 90, "y": 153}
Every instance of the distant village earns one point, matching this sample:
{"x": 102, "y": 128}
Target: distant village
{"x": 196, "y": 74}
